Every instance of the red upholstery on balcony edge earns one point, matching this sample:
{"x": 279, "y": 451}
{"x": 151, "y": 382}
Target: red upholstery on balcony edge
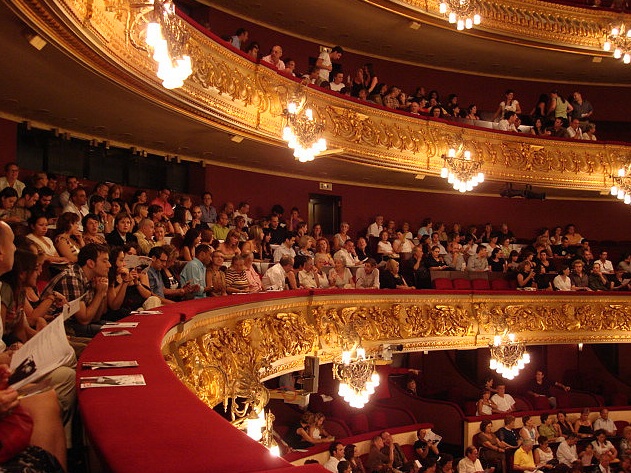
{"x": 442, "y": 283}
{"x": 500, "y": 285}
{"x": 480, "y": 284}
{"x": 462, "y": 284}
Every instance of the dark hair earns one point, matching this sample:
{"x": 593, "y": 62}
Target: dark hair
{"x": 240, "y": 31}
{"x": 8, "y": 192}
{"x": 544, "y": 418}
{"x": 337, "y": 49}
{"x": 333, "y": 447}
{"x": 179, "y": 215}
{"x": 349, "y": 451}
{"x": 30, "y": 190}
{"x": 154, "y": 209}
{"x": 342, "y": 466}
{"x": 114, "y": 252}
{"x": 157, "y": 251}
{"x": 91, "y": 251}
{"x": 485, "y": 423}
{"x": 45, "y": 192}
{"x": 190, "y": 236}
{"x": 202, "y": 248}
{"x": 65, "y": 221}
{"x": 85, "y": 219}
{"x": 137, "y": 195}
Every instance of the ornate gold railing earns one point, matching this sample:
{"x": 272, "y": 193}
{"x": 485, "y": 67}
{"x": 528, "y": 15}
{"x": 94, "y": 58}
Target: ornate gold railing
{"x": 534, "y": 22}
{"x": 224, "y": 353}
{"x": 230, "y": 92}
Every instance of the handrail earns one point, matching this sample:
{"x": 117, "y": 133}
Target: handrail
{"x": 163, "y": 425}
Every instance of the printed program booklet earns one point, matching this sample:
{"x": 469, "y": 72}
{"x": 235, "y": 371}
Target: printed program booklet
{"x": 110, "y": 381}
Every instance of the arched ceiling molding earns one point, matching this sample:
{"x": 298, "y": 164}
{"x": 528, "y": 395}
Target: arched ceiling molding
{"x": 228, "y": 92}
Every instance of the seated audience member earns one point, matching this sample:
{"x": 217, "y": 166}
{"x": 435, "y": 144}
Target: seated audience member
{"x": 494, "y": 448}
{"x": 361, "y": 249}
{"x": 254, "y": 245}
{"x": 479, "y": 262}
{"x": 276, "y": 230}
{"x": 375, "y": 228}
{"x": 105, "y": 220}
{"x": 141, "y": 211}
{"x": 580, "y": 280}
{"x": 152, "y": 277}
{"x": 563, "y": 426}
{"x": 221, "y": 229}
{"x": 276, "y": 275}
{"x": 322, "y": 249}
{"x": 528, "y": 431}
{"x": 144, "y": 236}
{"x": 566, "y": 453}
{"x": 596, "y": 280}
{"x": 121, "y": 235}
{"x": 605, "y": 423}
{"x": 162, "y": 200}
{"x": 319, "y": 262}
{"x": 504, "y": 402}
{"x": 377, "y": 461}
{"x": 544, "y": 456}
{"x": 415, "y": 271}
{"x": 254, "y": 279}
{"x": 340, "y": 238}
{"x": 606, "y": 266}
{"x": 351, "y": 455}
{"x": 274, "y": 56}
{"x": 508, "y": 122}
{"x": 590, "y": 132}
{"x": 236, "y": 279}
{"x": 558, "y": 130}
{"x": 587, "y": 457}
{"x": 402, "y": 246}
{"x": 583, "y": 426}
{"x": 8, "y": 211}
{"x": 507, "y": 434}
{"x": 69, "y": 239}
{"x": 625, "y": 443}
{"x": 572, "y": 235}
{"x": 368, "y": 275}
{"x": 625, "y": 263}
{"x": 157, "y": 215}
{"x": 434, "y": 261}
{"x": 337, "y": 84}
{"x": 574, "y": 130}
{"x": 425, "y": 448}
{"x": 399, "y": 460}
{"x": 546, "y": 428}
{"x": 46, "y": 448}
{"x": 286, "y": 248}
{"x": 541, "y": 387}
{"x": 484, "y": 405}
{"x": 194, "y": 273}
{"x": 196, "y": 221}
{"x": 340, "y": 276}
{"x": 523, "y": 460}
{"x": 91, "y": 230}
{"x": 390, "y": 278}
{"x": 78, "y": 203}
{"x": 125, "y": 293}
{"x": 602, "y": 446}
{"x": 230, "y": 246}
{"x": 525, "y": 275}
{"x": 39, "y": 228}
{"x": 216, "y": 275}
{"x": 471, "y": 463}
{"x": 348, "y": 253}
{"x": 454, "y": 259}
{"x": 44, "y": 207}
{"x": 87, "y": 279}
{"x": 344, "y": 467}
{"x": 336, "y": 454}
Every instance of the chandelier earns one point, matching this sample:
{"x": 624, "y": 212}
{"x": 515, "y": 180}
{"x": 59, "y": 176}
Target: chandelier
{"x": 357, "y": 376}
{"x": 462, "y": 13}
{"x": 508, "y": 356}
{"x": 166, "y": 36}
{"x": 621, "y": 187}
{"x": 260, "y": 427}
{"x": 620, "y": 40}
{"x": 302, "y": 133}
{"x": 460, "y": 170}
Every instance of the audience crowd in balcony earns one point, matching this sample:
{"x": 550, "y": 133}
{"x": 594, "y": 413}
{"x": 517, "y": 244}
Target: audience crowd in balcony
{"x": 553, "y": 114}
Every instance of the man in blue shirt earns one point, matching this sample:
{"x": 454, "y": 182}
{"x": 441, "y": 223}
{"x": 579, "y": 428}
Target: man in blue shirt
{"x": 194, "y": 273}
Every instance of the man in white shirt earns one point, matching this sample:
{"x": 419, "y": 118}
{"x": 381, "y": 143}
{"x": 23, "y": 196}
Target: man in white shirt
{"x": 337, "y": 83}
{"x": 605, "y": 423}
{"x": 324, "y": 64}
{"x": 10, "y": 179}
{"x": 368, "y": 276}
{"x": 274, "y": 56}
{"x": 574, "y": 130}
{"x": 606, "y": 266}
{"x": 508, "y": 122}
{"x": 471, "y": 463}
{"x": 274, "y": 277}
{"x": 375, "y": 228}
{"x": 347, "y": 252}
{"x": 566, "y": 453}
{"x": 239, "y": 38}
{"x": 336, "y": 452}
{"x": 286, "y": 248}
{"x": 78, "y": 204}
{"x": 505, "y": 402}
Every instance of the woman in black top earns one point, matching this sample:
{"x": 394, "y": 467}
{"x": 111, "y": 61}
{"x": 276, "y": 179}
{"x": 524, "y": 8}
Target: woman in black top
{"x": 496, "y": 263}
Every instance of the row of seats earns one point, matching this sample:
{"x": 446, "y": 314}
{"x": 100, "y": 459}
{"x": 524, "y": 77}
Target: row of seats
{"x": 463, "y": 284}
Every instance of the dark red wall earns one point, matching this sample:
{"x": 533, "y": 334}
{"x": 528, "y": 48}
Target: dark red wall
{"x": 594, "y": 220}
{"x": 486, "y": 92}
{"x": 8, "y": 141}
